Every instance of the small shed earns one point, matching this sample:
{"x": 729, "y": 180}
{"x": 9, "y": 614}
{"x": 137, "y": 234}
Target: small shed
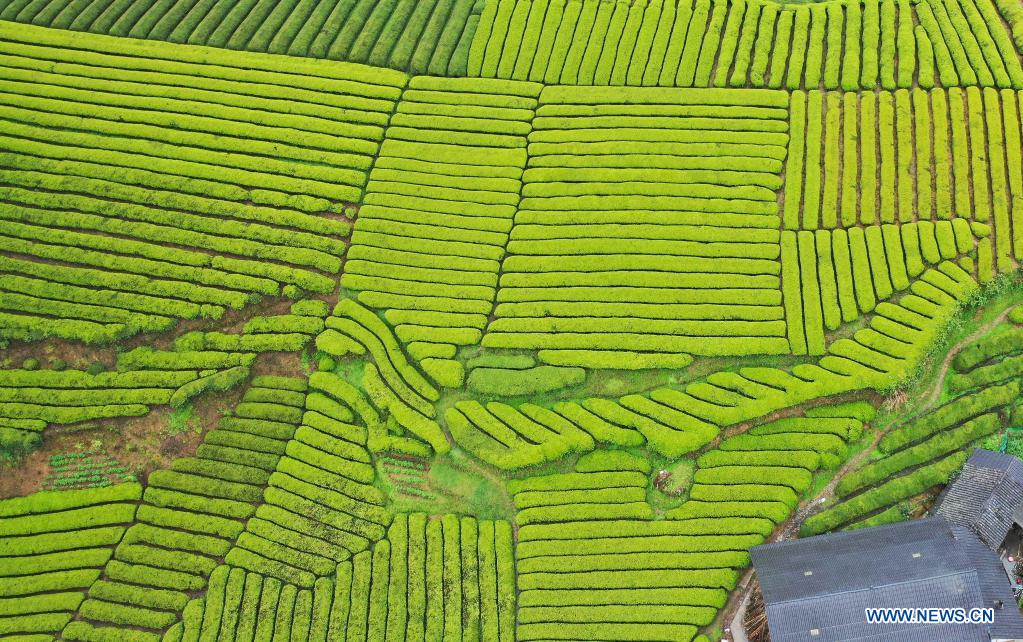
{"x": 986, "y": 497}
{"x": 817, "y": 589}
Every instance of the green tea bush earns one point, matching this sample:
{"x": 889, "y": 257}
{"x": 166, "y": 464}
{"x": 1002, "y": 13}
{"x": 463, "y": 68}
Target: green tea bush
{"x": 611, "y": 460}
{"x": 808, "y": 459}
{"x": 987, "y": 348}
{"x": 777, "y": 512}
{"x": 884, "y": 495}
{"x": 796, "y": 478}
{"x": 221, "y": 381}
{"x": 626, "y": 528}
{"x": 510, "y": 383}
{"x": 198, "y": 485}
{"x": 598, "y": 427}
{"x": 174, "y": 499}
{"x": 984, "y": 376}
{"x": 221, "y": 470}
{"x": 744, "y": 492}
{"x": 940, "y": 444}
{"x": 949, "y": 415}
{"x": 822, "y": 443}
{"x": 224, "y": 528}
{"x": 636, "y": 561}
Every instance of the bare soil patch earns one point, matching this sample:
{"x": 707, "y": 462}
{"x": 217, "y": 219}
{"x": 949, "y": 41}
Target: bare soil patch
{"x": 143, "y": 444}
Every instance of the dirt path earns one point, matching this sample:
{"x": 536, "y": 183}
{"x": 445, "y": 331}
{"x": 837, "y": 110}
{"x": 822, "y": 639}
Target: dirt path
{"x": 787, "y": 531}
{"x": 790, "y": 529}
{"x": 956, "y": 349}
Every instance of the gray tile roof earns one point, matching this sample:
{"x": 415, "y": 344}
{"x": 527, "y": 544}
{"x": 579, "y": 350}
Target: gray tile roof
{"x": 986, "y": 496}
{"x": 826, "y": 582}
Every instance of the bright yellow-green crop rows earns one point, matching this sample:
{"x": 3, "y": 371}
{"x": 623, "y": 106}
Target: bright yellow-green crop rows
{"x": 496, "y": 319}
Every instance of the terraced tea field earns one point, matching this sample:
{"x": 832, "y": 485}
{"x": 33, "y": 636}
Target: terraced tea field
{"x": 486, "y": 320}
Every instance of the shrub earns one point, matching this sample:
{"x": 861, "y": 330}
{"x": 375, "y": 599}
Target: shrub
{"x": 511, "y": 383}
{"x": 887, "y": 516}
{"x": 126, "y": 615}
{"x": 884, "y": 495}
{"x": 822, "y": 443}
{"x": 612, "y": 460}
{"x": 983, "y": 376}
{"x": 796, "y": 478}
{"x": 269, "y": 412}
{"x": 668, "y": 431}
{"x": 198, "y": 485}
{"x": 841, "y": 427}
{"x": 221, "y": 507}
{"x": 951, "y": 414}
{"x": 1008, "y": 341}
{"x": 221, "y": 381}
{"x": 185, "y": 520}
{"x": 744, "y": 492}
{"x": 578, "y": 481}
{"x": 861, "y": 410}
{"x": 777, "y": 512}
{"x": 41, "y": 520}
{"x": 808, "y": 459}
{"x": 940, "y": 444}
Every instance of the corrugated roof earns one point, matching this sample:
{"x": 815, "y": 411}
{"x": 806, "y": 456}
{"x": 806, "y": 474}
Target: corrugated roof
{"x": 993, "y": 583}
{"x": 1000, "y": 461}
{"x": 834, "y": 563}
{"x": 986, "y": 496}
{"x": 826, "y": 582}
{"x": 840, "y": 617}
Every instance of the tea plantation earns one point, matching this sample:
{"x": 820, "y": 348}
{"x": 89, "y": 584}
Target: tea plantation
{"x": 495, "y": 320}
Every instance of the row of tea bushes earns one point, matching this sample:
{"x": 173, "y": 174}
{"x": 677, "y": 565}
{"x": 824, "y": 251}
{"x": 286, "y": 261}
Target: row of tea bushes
{"x": 715, "y": 43}
{"x": 31, "y": 400}
{"x": 765, "y": 472}
{"x": 687, "y": 43}
{"x": 831, "y": 277}
{"x": 991, "y": 359}
{"x": 438, "y": 209}
{"x": 392, "y": 382}
{"x": 917, "y": 455}
{"x": 421, "y": 37}
{"x": 169, "y": 186}
{"x": 674, "y": 422}
{"x": 319, "y": 504}
{"x": 189, "y": 518}
{"x": 53, "y": 547}
{"x": 433, "y": 578}
{"x": 514, "y": 437}
{"x": 647, "y": 227}
{"x": 909, "y": 155}
{"x": 592, "y": 563}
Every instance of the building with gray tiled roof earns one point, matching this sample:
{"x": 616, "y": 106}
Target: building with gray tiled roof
{"x": 986, "y": 497}
{"x": 816, "y": 589}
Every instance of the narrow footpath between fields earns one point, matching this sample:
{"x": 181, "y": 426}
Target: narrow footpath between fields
{"x": 735, "y": 610}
